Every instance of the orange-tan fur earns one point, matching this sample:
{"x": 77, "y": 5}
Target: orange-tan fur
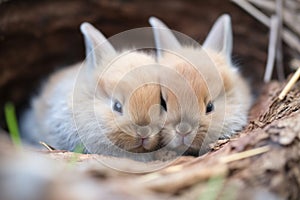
{"x": 207, "y": 75}
{"x": 75, "y": 104}
{"x": 229, "y": 87}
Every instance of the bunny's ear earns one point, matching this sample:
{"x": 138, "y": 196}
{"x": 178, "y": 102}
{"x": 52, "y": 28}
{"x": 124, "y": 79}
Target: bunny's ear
{"x": 219, "y": 38}
{"x": 96, "y": 45}
{"x": 163, "y": 37}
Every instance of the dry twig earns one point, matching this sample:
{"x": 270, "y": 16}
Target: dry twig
{"x": 272, "y": 48}
{"x": 288, "y": 37}
{"x": 48, "y": 147}
{"x": 290, "y": 84}
{"x": 279, "y": 56}
{"x": 245, "y": 154}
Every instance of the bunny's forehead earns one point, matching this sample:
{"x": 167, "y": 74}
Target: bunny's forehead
{"x": 194, "y": 78}
{"x": 143, "y": 102}
{"x": 203, "y": 68}
{"x": 191, "y": 88}
{"x": 190, "y": 80}
{"x": 127, "y": 61}
{"x": 127, "y": 72}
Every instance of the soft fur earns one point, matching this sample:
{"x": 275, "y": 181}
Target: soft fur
{"x": 75, "y": 105}
{"x": 211, "y": 77}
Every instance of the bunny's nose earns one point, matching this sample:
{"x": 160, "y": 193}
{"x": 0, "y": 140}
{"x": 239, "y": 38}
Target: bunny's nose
{"x": 144, "y": 131}
{"x": 183, "y": 128}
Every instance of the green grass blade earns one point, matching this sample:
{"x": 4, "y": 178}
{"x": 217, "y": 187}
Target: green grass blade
{"x": 11, "y": 120}
{"x": 213, "y": 188}
{"x": 79, "y": 149}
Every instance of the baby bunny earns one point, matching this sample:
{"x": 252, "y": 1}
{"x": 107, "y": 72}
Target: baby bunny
{"x": 212, "y": 99}
{"x": 110, "y": 103}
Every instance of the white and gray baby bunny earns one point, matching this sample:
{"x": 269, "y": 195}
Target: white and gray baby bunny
{"x": 109, "y": 102}
{"x": 220, "y": 99}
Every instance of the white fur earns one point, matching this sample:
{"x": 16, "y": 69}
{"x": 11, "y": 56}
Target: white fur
{"x": 212, "y": 65}
{"x": 74, "y": 108}
{"x": 219, "y": 38}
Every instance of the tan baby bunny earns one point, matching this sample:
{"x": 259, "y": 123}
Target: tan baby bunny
{"x": 110, "y": 103}
{"x": 206, "y": 97}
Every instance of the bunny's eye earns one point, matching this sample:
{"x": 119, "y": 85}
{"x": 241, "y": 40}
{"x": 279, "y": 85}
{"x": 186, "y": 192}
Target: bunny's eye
{"x": 209, "y": 107}
{"x": 117, "y": 106}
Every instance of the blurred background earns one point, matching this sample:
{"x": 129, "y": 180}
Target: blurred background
{"x": 39, "y": 36}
